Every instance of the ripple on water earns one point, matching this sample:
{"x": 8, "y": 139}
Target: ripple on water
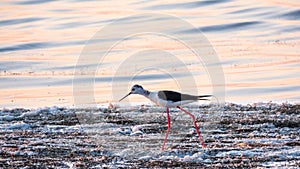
{"x": 40, "y": 47}
{"x": 292, "y": 15}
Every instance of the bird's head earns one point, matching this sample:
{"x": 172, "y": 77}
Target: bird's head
{"x": 136, "y": 89}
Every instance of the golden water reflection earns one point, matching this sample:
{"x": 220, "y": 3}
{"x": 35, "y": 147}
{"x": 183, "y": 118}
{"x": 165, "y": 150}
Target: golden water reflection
{"x": 260, "y": 56}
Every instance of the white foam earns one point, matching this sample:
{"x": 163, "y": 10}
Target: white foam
{"x": 232, "y": 153}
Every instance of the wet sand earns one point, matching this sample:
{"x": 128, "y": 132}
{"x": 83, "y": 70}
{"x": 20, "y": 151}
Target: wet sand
{"x": 236, "y": 136}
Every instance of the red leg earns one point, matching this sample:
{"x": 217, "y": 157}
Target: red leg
{"x": 169, "y": 127}
{"x": 195, "y": 124}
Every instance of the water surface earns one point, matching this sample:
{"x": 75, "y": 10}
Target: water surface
{"x": 257, "y": 43}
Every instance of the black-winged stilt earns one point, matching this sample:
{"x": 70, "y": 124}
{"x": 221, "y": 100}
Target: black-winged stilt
{"x": 168, "y": 99}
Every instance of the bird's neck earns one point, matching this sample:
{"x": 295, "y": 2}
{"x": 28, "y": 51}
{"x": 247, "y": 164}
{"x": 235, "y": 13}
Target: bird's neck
{"x": 146, "y": 93}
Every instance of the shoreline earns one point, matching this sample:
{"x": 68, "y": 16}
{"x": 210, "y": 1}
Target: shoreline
{"x": 103, "y": 105}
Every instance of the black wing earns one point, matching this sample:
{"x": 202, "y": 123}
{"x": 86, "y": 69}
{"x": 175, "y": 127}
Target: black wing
{"x": 175, "y": 96}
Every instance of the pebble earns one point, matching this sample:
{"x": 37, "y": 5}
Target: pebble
{"x": 137, "y": 133}
{"x": 19, "y": 126}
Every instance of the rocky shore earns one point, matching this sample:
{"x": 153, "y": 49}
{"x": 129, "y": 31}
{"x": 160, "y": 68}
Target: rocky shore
{"x": 262, "y": 135}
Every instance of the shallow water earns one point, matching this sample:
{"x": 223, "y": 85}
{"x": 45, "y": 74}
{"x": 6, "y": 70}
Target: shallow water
{"x": 257, "y": 43}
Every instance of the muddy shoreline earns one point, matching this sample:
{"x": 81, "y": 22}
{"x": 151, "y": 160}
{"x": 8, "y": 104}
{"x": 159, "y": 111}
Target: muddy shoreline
{"x": 236, "y": 136}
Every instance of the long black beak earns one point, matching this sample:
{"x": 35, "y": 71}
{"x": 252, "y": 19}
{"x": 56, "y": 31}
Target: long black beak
{"x": 125, "y": 96}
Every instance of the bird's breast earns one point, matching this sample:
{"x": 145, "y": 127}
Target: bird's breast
{"x": 153, "y": 96}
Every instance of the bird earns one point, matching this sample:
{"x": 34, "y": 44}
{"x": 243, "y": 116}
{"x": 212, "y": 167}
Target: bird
{"x": 169, "y": 99}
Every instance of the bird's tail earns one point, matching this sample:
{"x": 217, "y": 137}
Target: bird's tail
{"x": 202, "y": 97}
